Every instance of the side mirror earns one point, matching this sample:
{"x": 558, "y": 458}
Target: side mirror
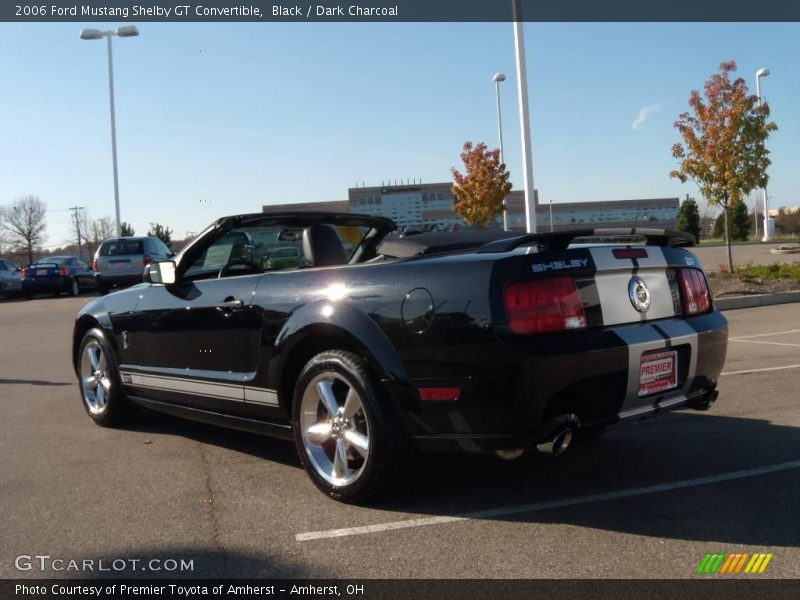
{"x": 160, "y": 272}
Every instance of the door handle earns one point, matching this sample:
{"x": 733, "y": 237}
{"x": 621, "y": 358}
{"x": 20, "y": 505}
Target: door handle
{"x": 231, "y": 302}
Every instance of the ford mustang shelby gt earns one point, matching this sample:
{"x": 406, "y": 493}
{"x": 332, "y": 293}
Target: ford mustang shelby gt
{"x": 360, "y": 344}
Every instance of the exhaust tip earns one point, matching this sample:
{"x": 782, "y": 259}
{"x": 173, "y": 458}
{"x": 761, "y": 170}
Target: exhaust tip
{"x": 558, "y": 444}
{"x": 706, "y": 402}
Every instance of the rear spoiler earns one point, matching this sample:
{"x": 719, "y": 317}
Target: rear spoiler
{"x": 560, "y": 240}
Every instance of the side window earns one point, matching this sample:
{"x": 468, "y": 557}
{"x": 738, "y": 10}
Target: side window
{"x": 3, "y": 266}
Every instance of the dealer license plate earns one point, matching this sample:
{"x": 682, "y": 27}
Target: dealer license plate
{"x": 120, "y": 265}
{"x": 658, "y": 372}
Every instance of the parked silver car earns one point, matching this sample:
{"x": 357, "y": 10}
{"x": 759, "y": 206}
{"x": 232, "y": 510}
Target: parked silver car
{"x": 10, "y": 280}
{"x": 119, "y": 262}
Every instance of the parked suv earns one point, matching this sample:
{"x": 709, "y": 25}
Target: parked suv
{"x": 119, "y": 262}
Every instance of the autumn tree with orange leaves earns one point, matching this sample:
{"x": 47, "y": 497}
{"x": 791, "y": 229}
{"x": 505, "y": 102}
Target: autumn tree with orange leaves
{"x": 481, "y": 190}
{"x": 723, "y": 148}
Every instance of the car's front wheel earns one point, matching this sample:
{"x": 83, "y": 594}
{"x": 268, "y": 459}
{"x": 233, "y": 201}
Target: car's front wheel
{"x": 348, "y": 440}
{"x": 101, "y": 390}
{"x": 74, "y": 287}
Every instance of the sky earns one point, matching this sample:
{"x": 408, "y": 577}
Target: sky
{"x": 216, "y": 119}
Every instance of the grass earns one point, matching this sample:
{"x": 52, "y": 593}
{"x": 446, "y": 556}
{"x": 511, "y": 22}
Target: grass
{"x": 775, "y": 240}
{"x": 766, "y": 272}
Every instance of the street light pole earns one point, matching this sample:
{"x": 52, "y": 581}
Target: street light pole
{"x": 95, "y": 34}
{"x": 498, "y": 77}
{"x": 759, "y": 74}
{"x": 755, "y": 214}
{"x": 524, "y": 119}
{"x": 113, "y": 135}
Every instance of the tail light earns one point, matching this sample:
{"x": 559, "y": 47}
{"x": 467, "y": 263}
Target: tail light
{"x": 696, "y": 298}
{"x": 24, "y": 273}
{"x": 63, "y": 271}
{"x": 546, "y": 305}
{"x": 94, "y": 264}
{"x": 146, "y": 259}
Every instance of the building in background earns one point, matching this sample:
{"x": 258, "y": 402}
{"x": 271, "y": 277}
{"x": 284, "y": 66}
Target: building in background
{"x": 429, "y": 206}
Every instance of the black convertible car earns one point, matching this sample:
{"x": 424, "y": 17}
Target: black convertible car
{"x": 370, "y": 343}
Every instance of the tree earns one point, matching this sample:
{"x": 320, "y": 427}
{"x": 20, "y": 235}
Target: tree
{"x": 719, "y": 226}
{"x": 739, "y": 221}
{"x": 24, "y": 224}
{"x": 126, "y": 230}
{"x": 99, "y": 230}
{"x": 723, "y": 148}
{"x": 689, "y": 217}
{"x": 480, "y": 191}
{"x": 162, "y": 233}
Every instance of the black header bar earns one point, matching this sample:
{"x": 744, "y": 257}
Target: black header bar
{"x": 121, "y": 11}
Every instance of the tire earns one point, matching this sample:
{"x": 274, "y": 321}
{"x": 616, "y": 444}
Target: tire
{"x": 99, "y": 382}
{"x": 74, "y": 287}
{"x": 361, "y": 454}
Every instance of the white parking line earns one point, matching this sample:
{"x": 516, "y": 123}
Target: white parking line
{"x": 746, "y": 371}
{"x": 741, "y": 337}
{"x": 760, "y": 342}
{"x": 539, "y": 506}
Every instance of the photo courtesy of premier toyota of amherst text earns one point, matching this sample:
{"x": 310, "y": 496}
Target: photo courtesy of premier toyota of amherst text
{"x": 383, "y": 300}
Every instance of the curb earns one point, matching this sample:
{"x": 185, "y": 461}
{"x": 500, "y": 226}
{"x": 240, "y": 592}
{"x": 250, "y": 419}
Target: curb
{"x": 737, "y": 302}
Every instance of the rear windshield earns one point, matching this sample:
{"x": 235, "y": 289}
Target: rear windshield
{"x": 49, "y": 262}
{"x": 121, "y": 248}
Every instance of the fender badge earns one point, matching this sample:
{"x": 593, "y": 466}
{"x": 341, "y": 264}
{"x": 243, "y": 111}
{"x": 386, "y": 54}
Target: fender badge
{"x": 639, "y": 294}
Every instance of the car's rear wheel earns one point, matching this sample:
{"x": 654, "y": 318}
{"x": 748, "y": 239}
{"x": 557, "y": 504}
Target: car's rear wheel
{"x": 101, "y": 390}
{"x": 348, "y": 440}
{"x": 75, "y": 288}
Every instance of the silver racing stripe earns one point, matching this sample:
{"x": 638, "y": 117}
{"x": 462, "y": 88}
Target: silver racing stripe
{"x": 613, "y": 276}
{"x": 183, "y": 385}
{"x": 644, "y": 338}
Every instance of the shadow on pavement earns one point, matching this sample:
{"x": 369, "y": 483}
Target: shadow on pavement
{"x": 676, "y": 447}
{"x": 32, "y": 382}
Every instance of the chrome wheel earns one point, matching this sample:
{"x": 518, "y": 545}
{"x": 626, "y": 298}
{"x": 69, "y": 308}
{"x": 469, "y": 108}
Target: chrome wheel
{"x": 95, "y": 380}
{"x": 334, "y": 429}
{"x": 75, "y": 287}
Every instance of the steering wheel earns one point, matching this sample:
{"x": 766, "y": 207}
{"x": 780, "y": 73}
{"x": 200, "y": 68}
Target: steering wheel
{"x": 250, "y": 267}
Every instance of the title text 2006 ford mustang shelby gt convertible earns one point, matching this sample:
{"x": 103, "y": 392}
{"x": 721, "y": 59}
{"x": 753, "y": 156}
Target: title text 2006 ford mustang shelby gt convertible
{"x": 359, "y": 344}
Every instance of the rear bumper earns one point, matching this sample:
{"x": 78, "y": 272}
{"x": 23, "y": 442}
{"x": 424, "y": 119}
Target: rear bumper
{"x": 33, "y": 286}
{"x": 110, "y": 280}
{"x": 10, "y": 286}
{"x": 592, "y": 374}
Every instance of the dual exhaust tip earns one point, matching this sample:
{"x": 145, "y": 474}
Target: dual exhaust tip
{"x": 558, "y": 435}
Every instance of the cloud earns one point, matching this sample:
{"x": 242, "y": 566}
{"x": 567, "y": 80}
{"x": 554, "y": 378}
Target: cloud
{"x": 645, "y": 114}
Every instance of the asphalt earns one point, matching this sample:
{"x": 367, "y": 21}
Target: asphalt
{"x": 716, "y": 257}
{"x": 646, "y": 500}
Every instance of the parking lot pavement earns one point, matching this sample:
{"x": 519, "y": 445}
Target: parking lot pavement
{"x": 648, "y": 499}
{"x": 713, "y": 257}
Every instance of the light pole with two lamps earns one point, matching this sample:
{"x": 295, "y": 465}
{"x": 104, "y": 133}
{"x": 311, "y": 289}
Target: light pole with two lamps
{"x": 96, "y": 34}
